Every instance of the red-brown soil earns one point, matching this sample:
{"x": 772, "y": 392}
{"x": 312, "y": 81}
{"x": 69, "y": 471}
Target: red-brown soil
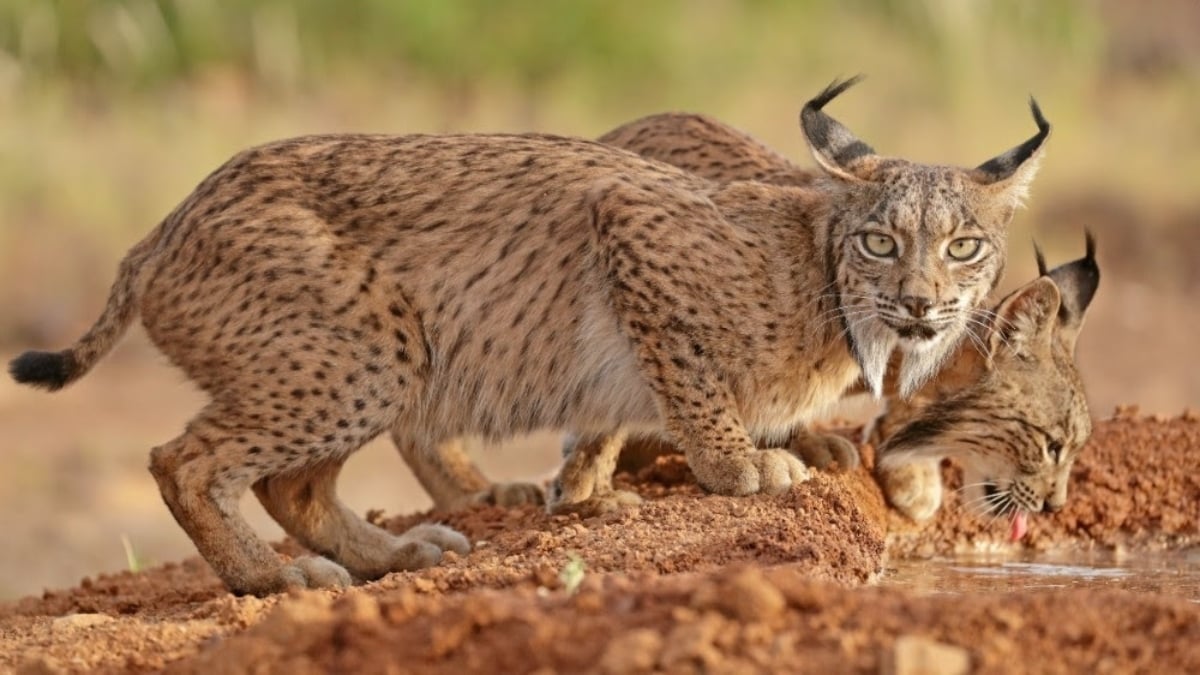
{"x": 686, "y": 582}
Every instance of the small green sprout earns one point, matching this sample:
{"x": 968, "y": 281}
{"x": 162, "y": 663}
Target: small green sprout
{"x": 132, "y": 559}
{"x": 572, "y": 573}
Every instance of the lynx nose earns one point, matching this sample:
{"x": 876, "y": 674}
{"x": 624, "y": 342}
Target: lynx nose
{"x": 916, "y": 305}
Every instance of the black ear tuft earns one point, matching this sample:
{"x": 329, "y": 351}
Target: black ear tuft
{"x": 1004, "y": 166}
{"x": 832, "y": 91}
{"x": 1038, "y": 118}
{"x": 1026, "y": 318}
{"x": 1041, "y": 259}
{"x": 835, "y": 148}
{"x": 1078, "y": 281}
{"x": 48, "y": 370}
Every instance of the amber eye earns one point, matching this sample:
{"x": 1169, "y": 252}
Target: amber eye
{"x": 879, "y": 245}
{"x": 965, "y": 248}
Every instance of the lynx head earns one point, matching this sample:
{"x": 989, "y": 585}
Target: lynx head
{"x": 914, "y": 248}
{"x": 1021, "y": 421}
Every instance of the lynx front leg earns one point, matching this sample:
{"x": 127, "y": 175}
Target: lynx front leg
{"x": 584, "y": 484}
{"x": 686, "y": 302}
{"x": 914, "y": 487}
{"x": 700, "y": 416}
{"x": 454, "y": 482}
{"x": 725, "y": 461}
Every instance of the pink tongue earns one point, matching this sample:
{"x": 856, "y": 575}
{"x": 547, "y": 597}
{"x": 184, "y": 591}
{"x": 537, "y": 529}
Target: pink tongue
{"x": 1019, "y": 526}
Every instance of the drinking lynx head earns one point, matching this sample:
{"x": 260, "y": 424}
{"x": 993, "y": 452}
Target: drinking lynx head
{"x": 1021, "y": 418}
{"x": 916, "y": 248}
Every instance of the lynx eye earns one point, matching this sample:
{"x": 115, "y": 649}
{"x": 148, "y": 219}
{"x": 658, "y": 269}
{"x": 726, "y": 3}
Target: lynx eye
{"x": 964, "y": 248}
{"x": 1054, "y": 450}
{"x": 879, "y": 245}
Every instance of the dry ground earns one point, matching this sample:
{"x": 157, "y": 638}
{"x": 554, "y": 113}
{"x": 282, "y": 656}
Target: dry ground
{"x": 686, "y": 582}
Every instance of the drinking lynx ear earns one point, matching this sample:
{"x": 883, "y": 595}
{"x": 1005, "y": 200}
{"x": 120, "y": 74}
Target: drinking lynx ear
{"x": 1077, "y": 281}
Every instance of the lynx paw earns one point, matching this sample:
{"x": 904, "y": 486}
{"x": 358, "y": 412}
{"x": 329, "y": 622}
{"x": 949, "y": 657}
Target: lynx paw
{"x": 420, "y": 547}
{"x": 444, "y": 538}
{"x": 314, "y": 572}
{"x": 914, "y": 489}
{"x": 821, "y": 450}
{"x": 598, "y": 504}
{"x": 423, "y": 545}
{"x": 772, "y": 471}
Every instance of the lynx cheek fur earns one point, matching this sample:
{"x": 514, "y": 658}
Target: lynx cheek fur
{"x": 324, "y": 290}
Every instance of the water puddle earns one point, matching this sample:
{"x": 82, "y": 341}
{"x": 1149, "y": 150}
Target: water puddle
{"x": 1175, "y": 573}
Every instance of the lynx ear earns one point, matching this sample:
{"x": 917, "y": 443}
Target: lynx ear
{"x": 1010, "y": 174}
{"x": 1025, "y": 321}
{"x": 837, "y": 150}
{"x": 1077, "y": 281}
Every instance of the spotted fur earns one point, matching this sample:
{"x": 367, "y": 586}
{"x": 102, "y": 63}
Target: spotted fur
{"x": 327, "y": 289}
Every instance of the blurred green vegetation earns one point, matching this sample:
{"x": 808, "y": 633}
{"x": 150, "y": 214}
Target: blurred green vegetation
{"x": 144, "y": 44}
{"x": 113, "y": 109}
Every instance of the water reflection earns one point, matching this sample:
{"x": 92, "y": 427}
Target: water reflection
{"x": 1170, "y": 573}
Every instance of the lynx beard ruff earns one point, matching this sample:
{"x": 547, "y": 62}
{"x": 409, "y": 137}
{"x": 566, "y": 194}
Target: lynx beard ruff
{"x": 873, "y": 343}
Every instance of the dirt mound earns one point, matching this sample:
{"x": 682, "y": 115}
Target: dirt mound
{"x": 684, "y": 582}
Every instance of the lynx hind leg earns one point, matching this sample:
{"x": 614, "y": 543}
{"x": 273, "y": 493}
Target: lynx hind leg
{"x": 913, "y": 488}
{"x": 453, "y": 481}
{"x": 584, "y": 483}
{"x": 822, "y": 451}
{"x": 201, "y": 476}
{"x": 305, "y": 504}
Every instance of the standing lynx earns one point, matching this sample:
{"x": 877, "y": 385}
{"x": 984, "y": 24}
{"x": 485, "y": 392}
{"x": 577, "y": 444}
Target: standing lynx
{"x": 324, "y": 290}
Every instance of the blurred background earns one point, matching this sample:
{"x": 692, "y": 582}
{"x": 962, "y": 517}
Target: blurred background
{"x": 112, "y": 110}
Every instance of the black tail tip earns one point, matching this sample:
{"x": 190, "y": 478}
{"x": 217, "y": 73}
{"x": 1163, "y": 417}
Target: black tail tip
{"x": 47, "y": 370}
